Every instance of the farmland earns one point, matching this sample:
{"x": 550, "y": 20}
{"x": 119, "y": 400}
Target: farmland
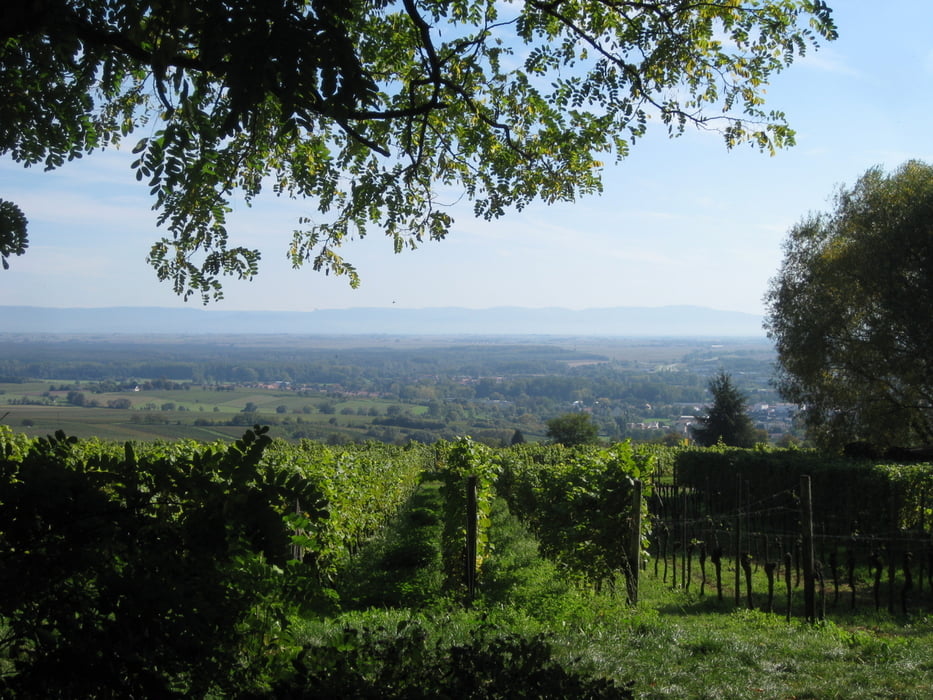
{"x": 353, "y": 389}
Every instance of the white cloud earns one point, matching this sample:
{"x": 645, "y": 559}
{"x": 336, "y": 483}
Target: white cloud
{"x": 66, "y": 208}
{"x": 65, "y": 262}
{"x": 828, "y": 60}
{"x": 648, "y": 256}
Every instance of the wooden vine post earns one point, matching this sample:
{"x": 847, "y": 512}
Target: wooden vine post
{"x": 877, "y": 566}
{"x": 717, "y": 564}
{"x": 746, "y": 561}
{"x": 634, "y": 547}
{"x": 672, "y": 542}
{"x": 850, "y": 573}
{"x": 472, "y": 516}
{"x": 770, "y": 568}
{"x": 738, "y": 545}
{"x": 664, "y": 537}
{"x": 806, "y": 518}
{"x": 685, "y": 563}
{"x": 691, "y": 546}
{"x": 788, "y": 565}
{"x": 818, "y": 575}
{"x": 702, "y": 568}
{"x": 908, "y": 581}
{"x": 298, "y": 552}
{"x": 892, "y": 573}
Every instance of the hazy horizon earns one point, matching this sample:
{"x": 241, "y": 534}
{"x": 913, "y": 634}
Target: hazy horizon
{"x": 663, "y": 321}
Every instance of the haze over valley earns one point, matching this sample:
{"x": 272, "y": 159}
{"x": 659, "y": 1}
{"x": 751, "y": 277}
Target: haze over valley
{"x": 664, "y": 321}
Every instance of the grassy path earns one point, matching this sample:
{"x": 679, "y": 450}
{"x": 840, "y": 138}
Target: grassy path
{"x": 673, "y": 645}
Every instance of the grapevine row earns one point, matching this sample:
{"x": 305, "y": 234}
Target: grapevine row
{"x": 579, "y": 503}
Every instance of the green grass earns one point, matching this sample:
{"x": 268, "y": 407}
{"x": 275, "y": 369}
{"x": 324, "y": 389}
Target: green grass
{"x": 402, "y": 567}
{"x": 677, "y": 644}
{"x": 742, "y": 653}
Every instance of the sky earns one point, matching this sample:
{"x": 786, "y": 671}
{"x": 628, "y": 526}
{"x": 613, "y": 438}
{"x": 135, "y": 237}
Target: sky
{"x": 681, "y": 221}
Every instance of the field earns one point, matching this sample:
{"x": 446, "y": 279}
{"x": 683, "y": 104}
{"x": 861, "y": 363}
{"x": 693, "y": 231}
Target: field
{"x": 197, "y": 413}
{"x": 354, "y": 389}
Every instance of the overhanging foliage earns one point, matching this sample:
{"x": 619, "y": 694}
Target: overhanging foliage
{"x": 379, "y": 112}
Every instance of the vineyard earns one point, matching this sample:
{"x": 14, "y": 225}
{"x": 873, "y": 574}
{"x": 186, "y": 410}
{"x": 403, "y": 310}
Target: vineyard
{"x": 267, "y": 569}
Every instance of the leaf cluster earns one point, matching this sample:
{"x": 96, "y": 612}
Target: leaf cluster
{"x": 136, "y": 575}
{"x": 404, "y": 663}
{"x": 13, "y": 237}
{"x": 578, "y": 501}
{"x": 173, "y": 569}
{"x": 356, "y": 490}
{"x": 851, "y": 497}
{"x": 457, "y": 463}
{"x": 571, "y": 429}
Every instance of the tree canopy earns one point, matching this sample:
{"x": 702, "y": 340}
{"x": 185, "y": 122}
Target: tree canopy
{"x": 727, "y": 419}
{"x": 379, "y": 112}
{"x": 849, "y": 311}
{"x": 572, "y": 429}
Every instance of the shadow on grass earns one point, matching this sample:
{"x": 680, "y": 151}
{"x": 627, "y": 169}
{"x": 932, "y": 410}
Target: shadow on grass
{"x": 667, "y": 600}
{"x": 401, "y": 569}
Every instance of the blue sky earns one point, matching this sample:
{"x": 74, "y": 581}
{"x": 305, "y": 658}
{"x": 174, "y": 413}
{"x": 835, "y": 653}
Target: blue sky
{"x": 681, "y": 221}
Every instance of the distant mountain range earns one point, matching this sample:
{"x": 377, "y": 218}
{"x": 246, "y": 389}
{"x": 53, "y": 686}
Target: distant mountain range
{"x": 662, "y": 321}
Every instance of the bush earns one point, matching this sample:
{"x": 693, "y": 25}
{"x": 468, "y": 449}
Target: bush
{"x": 123, "y": 576}
{"x": 403, "y": 664}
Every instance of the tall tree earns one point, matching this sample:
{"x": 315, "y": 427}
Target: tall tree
{"x": 369, "y": 107}
{"x": 572, "y": 429}
{"x": 727, "y": 419}
{"x": 849, "y": 311}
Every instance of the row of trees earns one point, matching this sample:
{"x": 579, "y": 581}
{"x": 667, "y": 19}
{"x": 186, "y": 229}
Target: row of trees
{"x": 470, "y": 372}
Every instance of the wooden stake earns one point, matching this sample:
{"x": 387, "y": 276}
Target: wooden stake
{"x": 806, "y": 517}
{"x": 634, "y": 548}
{"x": 471, "y": 544}
{"x": 738, "y": 545}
